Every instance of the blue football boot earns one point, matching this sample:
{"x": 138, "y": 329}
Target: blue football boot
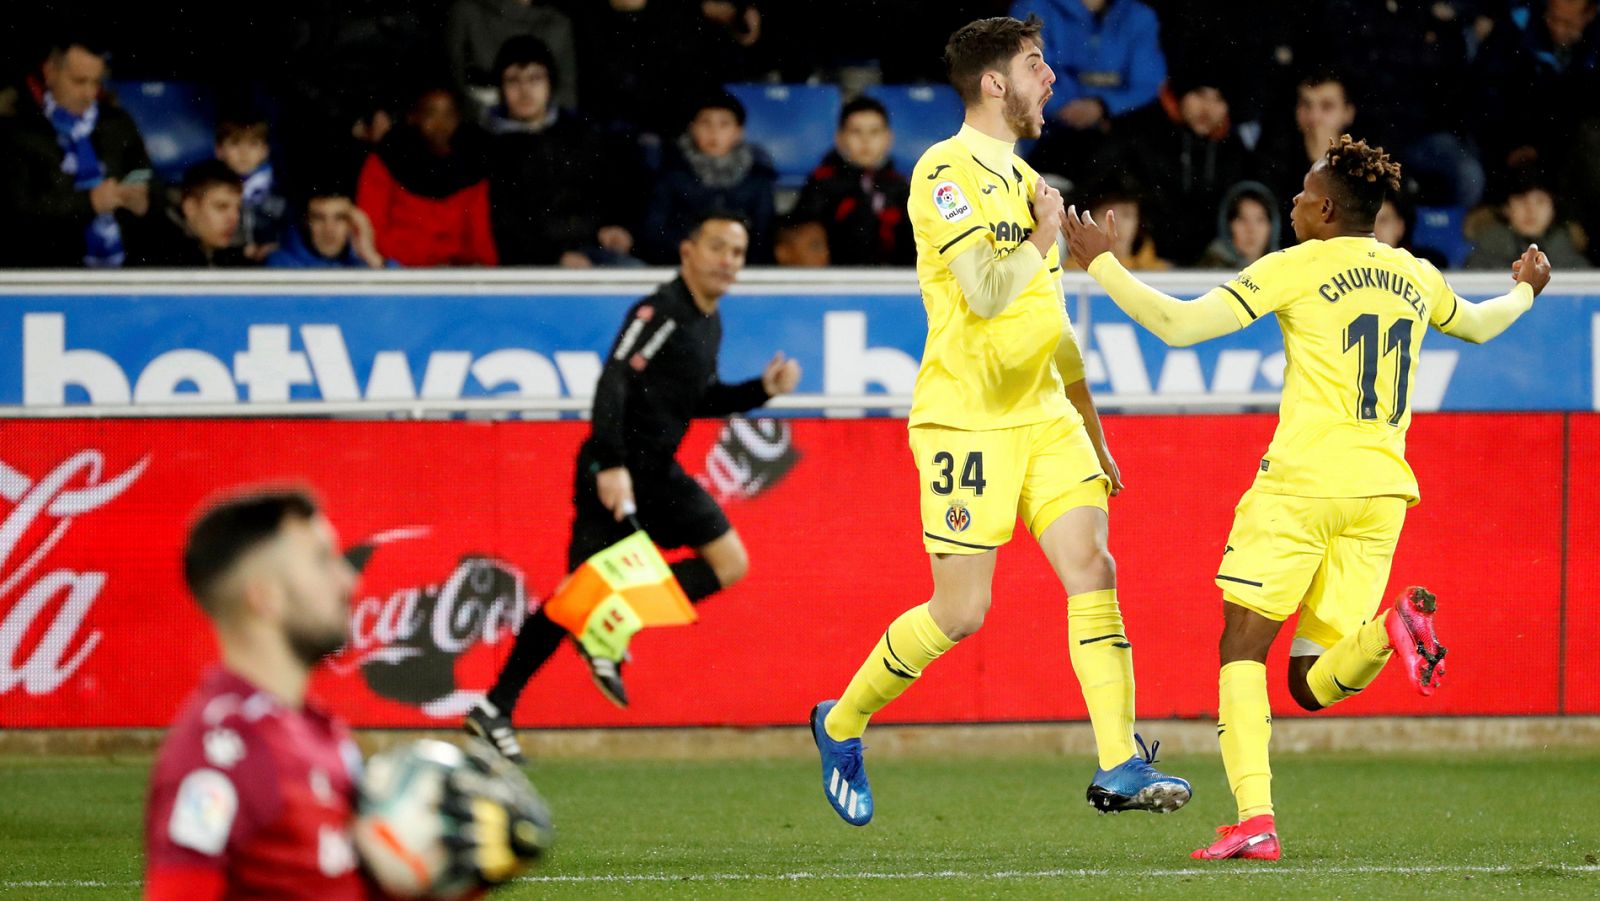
{"x": 844, "y": 776}
{"x": 1135, "y": 784}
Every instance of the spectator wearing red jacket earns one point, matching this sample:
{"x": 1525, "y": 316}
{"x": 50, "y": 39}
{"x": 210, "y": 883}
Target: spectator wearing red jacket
{"x": 426, "y": 188}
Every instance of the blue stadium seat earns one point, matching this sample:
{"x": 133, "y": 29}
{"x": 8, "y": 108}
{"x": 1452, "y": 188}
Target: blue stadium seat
{"x": 920, "y": 114}
{"x": 1439, "y": 228}
{"x": 177, "y": 119}
{"x": 794, "y": 122}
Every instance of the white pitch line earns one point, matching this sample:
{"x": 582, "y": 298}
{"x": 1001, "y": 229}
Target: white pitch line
{"x": 1263, "y": 869}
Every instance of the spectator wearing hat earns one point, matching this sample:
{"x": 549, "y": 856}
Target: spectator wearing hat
{"x": 1247, "y": 228}
{"x": 559, "y": 190}
{"x": 711, "y": 167}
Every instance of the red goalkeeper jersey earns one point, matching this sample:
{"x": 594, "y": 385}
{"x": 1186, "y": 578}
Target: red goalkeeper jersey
{"x": 251, "y": 799}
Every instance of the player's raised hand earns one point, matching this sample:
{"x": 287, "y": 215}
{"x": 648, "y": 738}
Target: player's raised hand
{"x": 1087, "y": 239}
{"x": 781, "y": 375}
{"x": 615, "y": 487}
{"x": 1533, "y": 268}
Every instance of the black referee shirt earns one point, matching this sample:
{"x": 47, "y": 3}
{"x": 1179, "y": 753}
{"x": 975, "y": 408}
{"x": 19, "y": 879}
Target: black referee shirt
{"x": 661, "y": 373}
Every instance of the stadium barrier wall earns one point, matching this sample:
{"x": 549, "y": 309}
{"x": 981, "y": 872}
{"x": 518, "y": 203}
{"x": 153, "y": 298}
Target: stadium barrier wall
{"x": 468, "y": 524}
{"x": 251, "y": 342}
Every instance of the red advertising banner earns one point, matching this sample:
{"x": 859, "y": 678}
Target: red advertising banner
{"x": 468, "y": 524}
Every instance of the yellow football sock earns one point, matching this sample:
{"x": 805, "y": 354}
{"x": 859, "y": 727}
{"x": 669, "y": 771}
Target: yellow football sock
{"x": 1102, "y": 657}
{"x": 1244, "y": 728}
{"x": 1350, "y": 665}
{"x": 910, "y": 643}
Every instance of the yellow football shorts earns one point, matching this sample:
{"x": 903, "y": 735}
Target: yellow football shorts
{"x": 975, "y": 483}
{"x": 1327, "y": 557}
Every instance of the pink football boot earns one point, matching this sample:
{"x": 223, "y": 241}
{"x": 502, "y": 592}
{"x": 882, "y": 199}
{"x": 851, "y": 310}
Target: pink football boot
{"x": 1411, "y": 635}
{"x": 1254, "y": 839}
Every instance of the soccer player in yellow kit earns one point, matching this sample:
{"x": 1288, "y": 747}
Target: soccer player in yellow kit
{"x": 1001, "y": 423}
{"x": 1317, "y": 531}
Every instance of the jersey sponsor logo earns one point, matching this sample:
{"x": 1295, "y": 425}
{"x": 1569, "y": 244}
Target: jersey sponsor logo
{"x": 223, "y": 747}
{"x": 1010, "y": 231}
{"x": 989, "y": 189}
{"x": 1245, "y": 281}
{"x": 203, "y": 813}
{"x": 958, "y": 518}
{"x": 934, "y": 176}
{"x": 952, "y": 204}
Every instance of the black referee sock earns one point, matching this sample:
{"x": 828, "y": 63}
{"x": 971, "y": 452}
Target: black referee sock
{"x": 698, "y": 579}
{"x": 536, "y": 641}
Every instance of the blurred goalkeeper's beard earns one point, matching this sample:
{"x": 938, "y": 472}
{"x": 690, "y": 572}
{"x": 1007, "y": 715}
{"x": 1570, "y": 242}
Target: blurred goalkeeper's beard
{"x": 1019, "y": 115}
{"x": 311, "y": 641}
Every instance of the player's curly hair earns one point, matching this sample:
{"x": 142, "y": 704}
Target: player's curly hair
{"x": 1363, "y": 174}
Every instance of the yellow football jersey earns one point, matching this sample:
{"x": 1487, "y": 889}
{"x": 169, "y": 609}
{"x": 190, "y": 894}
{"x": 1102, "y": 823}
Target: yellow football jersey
{"x": 1353, "y": 312}
{"x": 982, "y": 373}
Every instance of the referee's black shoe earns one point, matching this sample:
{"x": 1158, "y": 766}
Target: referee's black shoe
{"x": 607, "y": 675}
{"x": 487, "y": 722}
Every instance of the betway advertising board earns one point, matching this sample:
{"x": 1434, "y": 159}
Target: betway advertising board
{"x": 465, "y": 527}
{"x": 414, "y": 336}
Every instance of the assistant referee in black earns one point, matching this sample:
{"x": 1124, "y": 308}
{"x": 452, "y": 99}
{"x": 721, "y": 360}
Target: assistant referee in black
{"x": 660, "y": 374}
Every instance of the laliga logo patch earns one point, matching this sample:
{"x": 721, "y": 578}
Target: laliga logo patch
{"x": 952, "y": 204}
{"x": 958, "y": 518}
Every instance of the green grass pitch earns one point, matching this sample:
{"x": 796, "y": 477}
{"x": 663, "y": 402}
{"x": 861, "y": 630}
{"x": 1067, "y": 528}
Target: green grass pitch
{"x": 1444, "y": 824}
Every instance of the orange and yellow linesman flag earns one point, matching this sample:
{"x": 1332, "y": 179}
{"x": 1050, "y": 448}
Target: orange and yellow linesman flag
{"x": 616, "y": 593}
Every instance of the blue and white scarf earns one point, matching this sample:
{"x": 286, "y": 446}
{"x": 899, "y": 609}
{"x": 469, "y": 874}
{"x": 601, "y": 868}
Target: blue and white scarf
{"x": 103, "y": 238}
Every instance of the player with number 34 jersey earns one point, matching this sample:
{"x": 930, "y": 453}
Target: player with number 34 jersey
{"x": 1002, "y": 425}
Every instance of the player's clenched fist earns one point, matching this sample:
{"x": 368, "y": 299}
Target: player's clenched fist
{"x": 1047, "y": 216}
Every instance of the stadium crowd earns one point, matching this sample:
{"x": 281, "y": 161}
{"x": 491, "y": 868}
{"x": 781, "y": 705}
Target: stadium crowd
{"x": 532, "y": 133}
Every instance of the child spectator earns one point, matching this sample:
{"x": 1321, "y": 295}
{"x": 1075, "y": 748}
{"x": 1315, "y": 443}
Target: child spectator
{"x": 1247, "y": 228}
{"x": 1528, "y": 217}
{"x": 199, "y": 232}
{"x": 712, "y": 168}
{"x": 426, "y": 188}
{"x": 559, "y": 190}
{"x": 333, "y": 234}
{"x": 798, "y": 241}
{"x": 242, "y": 144}
{"x": 858, "y": 193}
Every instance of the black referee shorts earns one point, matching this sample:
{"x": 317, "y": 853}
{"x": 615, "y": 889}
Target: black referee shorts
{"x": 673, "y": 509}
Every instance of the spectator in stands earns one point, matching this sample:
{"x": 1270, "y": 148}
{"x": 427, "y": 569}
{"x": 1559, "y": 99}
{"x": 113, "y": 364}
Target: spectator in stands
{"x": 426, "y": 188}
{"x": 479, "y": 28}
{"x": 242, "y": 144}
{"x": 859, "y": 194}
{"x": 1184, "y": 153}
{"x": 645, "y": 63}
{"x": 798, "y": 241}
{"x": 1323, "y": 110}
{"x": 1409, "y": 62}
{"x": 559, "y": 191}
{"x": 1134, "y": 248}
{"x": 1247, "y": 228}
{"x": 712, "y": 167}
{"x": 333, "y": 234}
{"x": 1527, "y": 217}
{"x": 1390, "y": 225}
{"x": 199, "y": 232}
{"x": 76, "y": 173}
{"x": 1108, "y": 62}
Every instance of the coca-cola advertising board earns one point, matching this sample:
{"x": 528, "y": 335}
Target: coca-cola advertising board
{"x": 464, "y": 525}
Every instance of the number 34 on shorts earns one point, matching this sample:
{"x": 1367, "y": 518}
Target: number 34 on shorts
{"x": 975, "y": 483}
